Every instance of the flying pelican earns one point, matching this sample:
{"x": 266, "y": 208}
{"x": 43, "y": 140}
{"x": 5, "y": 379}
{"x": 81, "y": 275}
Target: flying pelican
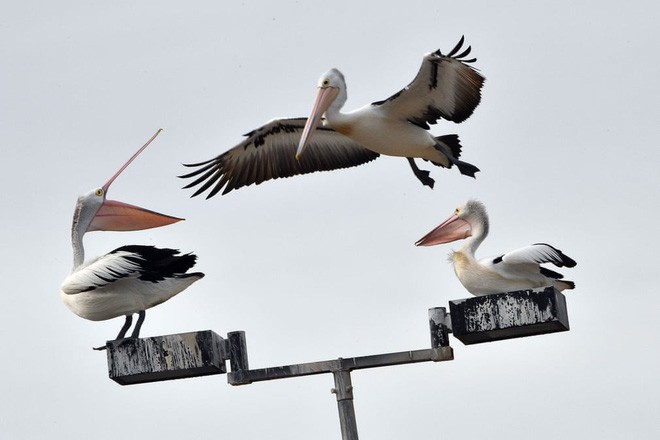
{"x": 129, "y": 279}
{"x": 516, "y": 270}
{"x": 445, "y": 87}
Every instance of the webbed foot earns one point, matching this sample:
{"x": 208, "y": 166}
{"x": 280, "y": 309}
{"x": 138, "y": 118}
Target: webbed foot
{"x": 424, "y": 176}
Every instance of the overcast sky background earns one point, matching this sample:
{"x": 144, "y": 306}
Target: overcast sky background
{"x": 323, "y": 266}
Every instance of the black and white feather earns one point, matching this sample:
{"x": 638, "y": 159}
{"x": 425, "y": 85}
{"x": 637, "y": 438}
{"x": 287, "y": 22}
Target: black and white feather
{"x": 519, "y": 269}
{"x": 269, "y": 151}
{"x": 128, "y": 280}
{"x": 131, "y": 278}
{"x": 446, "y": 87}
{"x": 538, "y": 253}
{"x": 144, "y": 263}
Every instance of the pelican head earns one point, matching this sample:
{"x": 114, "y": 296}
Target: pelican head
{"x": 96, "y": 213}
{"x": 331, "y": 85}
{"x": 468, "y": 220}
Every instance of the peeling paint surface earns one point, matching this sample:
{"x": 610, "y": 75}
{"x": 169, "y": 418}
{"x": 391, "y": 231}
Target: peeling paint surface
{"x": 165, "y": 357}
{"x": 509, "y": 315}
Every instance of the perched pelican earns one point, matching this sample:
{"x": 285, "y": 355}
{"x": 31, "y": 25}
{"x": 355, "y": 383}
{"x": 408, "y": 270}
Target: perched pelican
{"x": 129, "y": 279}
{"x": 445, "y": 87}
{"x": 516, "y": 270}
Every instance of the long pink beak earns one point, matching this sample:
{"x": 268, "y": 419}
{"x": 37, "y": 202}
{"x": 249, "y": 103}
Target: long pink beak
{"x": 452, "y": 229}
{"x": 120, "y": 216}
{"x": 324, "y": 98}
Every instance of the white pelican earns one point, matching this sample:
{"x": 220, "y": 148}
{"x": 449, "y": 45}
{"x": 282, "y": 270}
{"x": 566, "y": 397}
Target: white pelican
{"x": 129, "y": 279}
{"x": 516, "y": 270}
{"x": 445, "y": 87}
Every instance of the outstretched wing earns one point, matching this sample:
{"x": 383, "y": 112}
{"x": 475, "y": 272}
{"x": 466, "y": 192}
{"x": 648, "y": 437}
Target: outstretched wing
{"x": 445, "y": 87}
{"x": 268, "y": 152}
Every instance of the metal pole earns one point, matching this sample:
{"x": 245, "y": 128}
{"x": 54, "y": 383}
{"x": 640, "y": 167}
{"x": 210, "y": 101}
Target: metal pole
{"x": 344, "y": 391}
{"x": 340, "y": 368}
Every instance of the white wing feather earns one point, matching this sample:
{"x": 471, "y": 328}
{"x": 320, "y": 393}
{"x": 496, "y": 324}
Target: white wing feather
{"x": 101, "y": 272}
{"x": 536, "y": 253}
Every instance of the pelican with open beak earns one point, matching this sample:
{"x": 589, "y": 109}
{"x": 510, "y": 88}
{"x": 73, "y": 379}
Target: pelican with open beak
{"x": 130, "y": 279}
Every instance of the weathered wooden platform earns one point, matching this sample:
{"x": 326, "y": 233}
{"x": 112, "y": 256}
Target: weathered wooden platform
{"x": 508, "y": 315}
{"x": 133, "y": 361}
{"x": 472, "y": 321}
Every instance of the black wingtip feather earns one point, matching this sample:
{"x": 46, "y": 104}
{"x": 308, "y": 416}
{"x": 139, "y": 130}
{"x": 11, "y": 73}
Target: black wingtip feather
{"x": 159, "y": 263}
{"x": 192, "y": 274}
{"x": 204, "y": 167}
{"x": 550, "y": 273}
{"x": 198, "y": 163}
{"x": 457, "y": 47}
{"x": 566, "y": 261}
{"x": 211, "y": 179}
{"x": 465, "y": 53}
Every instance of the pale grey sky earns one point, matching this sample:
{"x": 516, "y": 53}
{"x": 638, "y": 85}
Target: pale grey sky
{"x": 322, "y": 266}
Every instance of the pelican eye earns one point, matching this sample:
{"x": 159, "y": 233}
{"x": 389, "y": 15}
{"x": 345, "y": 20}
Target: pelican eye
{"x": 99, "y": 192}
{"x": 325, "y": 82}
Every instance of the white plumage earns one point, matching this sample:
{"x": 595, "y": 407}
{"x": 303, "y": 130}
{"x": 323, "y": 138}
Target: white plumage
{"x": 445, "y": 87}
{"x": 125, "y": 282}
{"x": 519, "y": 269}
{"x": 129, "y": 279}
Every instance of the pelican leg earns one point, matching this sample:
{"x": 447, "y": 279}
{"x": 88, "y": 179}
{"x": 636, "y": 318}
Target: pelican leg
{"x": 422, "y": 175}
{"x": 122, "y": 332}
{"x": 138, "y": 324}
{"x": 465, "y": 168}
{"x": 125, "y": 327}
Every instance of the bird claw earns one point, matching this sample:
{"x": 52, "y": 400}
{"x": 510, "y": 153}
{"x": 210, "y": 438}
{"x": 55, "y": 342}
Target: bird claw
{"x": 115, "y": 343}
{"x": 424, "y": 177}
{"x": 466, "y": 169}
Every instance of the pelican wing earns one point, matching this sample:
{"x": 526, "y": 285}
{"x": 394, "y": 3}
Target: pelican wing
{"x": 537, "y": 253}
{"x": 146, "y": 263}
{"x": 269, "y": 153}
{"x": 102, "y": 272}
{"x": 445, "y": 87}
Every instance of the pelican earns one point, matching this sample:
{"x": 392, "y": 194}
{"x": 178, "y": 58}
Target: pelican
{"x": 445, "y": 87}
{"x": 130, "y": 279}
{"x": 519, "y": 269}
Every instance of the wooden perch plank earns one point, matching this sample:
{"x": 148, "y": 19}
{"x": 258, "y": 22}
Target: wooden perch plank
{"x": 133, "y": 361}
{"x": 508, "y": 315}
